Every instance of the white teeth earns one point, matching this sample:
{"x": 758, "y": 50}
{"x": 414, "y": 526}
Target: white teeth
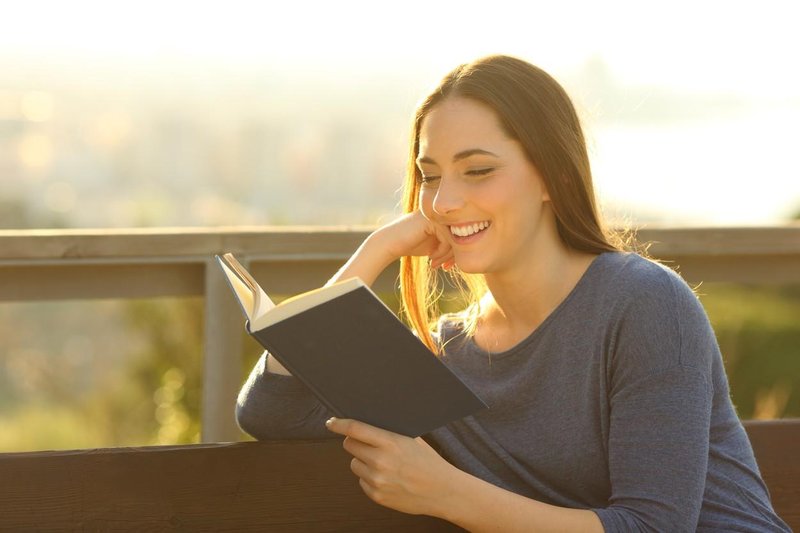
{"x": 465, "y": 231}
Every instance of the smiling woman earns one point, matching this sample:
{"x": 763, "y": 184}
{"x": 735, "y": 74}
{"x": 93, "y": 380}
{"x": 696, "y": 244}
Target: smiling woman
{"x": 609, "y": 407}
{"x": 485, "y": 196}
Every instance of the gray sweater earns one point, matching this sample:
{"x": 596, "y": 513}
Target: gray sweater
{"x": 618, "y": 402}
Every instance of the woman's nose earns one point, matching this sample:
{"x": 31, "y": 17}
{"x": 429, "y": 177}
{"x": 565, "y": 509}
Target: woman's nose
{"x": 449, "y": 197}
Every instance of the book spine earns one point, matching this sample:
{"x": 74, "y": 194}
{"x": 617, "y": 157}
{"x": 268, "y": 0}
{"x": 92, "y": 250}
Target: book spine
{"x": 297, "y": 375}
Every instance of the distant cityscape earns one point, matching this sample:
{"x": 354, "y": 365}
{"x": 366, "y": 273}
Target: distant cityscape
{"x": 82, "y": 149}
{"x": 77, "y": 157}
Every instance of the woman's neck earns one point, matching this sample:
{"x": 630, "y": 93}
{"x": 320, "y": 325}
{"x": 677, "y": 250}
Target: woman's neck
{"x": 520, "y": 299}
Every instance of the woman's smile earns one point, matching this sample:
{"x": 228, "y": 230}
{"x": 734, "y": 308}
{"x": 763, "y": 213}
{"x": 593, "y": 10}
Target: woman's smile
{"x": 468, "y": 233}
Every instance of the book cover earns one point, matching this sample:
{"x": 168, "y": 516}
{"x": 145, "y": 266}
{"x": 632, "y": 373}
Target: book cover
{"x": 361, "y": 361}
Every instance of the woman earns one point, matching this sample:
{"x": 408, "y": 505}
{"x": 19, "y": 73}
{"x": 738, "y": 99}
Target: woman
{"x": 609, "y": 405}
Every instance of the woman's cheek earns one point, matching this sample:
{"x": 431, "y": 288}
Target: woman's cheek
{"x": 426, "y": 203}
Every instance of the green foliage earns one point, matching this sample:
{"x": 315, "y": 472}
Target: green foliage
{"x": 167, "y": 371}
{"x": 42, "y": 426}
{"x": 758, "y": 329}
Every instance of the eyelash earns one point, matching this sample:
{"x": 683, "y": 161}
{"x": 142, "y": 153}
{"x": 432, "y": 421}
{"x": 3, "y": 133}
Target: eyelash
{"x": 480, "y": 171}
{"x": 476, "y": 172}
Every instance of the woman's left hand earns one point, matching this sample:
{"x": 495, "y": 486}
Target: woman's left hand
{"x": 396, "y": 471}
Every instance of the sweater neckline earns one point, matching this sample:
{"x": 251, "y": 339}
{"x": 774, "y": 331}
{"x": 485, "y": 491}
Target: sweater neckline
{"x": 525, "y": 342}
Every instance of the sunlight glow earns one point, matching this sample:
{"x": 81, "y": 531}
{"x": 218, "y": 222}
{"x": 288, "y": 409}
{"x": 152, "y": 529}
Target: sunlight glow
{"x": 37, "y": 106}
{"x": 684, "y": 102}
{"x": 703, "y": 45}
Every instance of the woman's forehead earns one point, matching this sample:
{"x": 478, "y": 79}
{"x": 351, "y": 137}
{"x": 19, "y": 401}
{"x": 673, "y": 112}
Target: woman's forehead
{"x": 458, "y": 124}
{"x": 459, "y": 113}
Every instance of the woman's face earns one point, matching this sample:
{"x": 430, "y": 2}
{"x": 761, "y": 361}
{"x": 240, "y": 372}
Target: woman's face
{"x": 478, "y": 183}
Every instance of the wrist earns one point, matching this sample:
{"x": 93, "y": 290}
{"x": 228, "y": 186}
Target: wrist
{"x": 274, "y": 367}
{"x": 376, "y": 246}
{"x": 451, "y": 505}
{"x": 367, "y": 262}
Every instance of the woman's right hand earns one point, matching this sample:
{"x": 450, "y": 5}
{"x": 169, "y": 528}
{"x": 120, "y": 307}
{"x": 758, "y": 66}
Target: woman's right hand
{"x": 414, "y": 235}
{"x": 410, "y": 235}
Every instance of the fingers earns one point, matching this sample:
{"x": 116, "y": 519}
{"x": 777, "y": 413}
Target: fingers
{"x": 364, "y": 442}
{"x": 359, "y": 467}
{"x": 361, "y": 431}
{"x": 363, "y": 455}
{"x": 365, "y": 477}
{"x": 446, "y": 261}
{"x": 443, "y": 257}
{"x": 443, "y": 254}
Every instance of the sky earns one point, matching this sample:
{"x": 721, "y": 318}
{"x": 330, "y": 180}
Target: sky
{"x": 712, "y": 45}
{"x": 744, "y": 49}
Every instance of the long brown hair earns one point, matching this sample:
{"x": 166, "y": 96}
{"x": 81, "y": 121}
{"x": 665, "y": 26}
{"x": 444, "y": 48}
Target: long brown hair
{"x": 537, "y": 112}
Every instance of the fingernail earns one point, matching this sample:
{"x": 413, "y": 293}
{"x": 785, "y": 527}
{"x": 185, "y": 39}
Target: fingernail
{"x": 330, "y": 421}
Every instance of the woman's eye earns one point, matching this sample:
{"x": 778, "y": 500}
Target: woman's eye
{"x": 428, "y": 179}
{"x": 479, "y": 171}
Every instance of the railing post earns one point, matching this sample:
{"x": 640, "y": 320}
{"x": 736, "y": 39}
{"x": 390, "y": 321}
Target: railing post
{"x": 222, "y": 365}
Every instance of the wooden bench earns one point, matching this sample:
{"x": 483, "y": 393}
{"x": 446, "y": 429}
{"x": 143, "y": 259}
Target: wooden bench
{"x": 257, "y": 486}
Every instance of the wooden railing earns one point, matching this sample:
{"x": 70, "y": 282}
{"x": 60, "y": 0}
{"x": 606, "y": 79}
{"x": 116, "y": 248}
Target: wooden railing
{"x": 88, "y": 264}
{"x": 258, "y": 486}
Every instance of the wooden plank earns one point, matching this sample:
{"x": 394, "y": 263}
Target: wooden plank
{"x": 255, "y": 486}
{"x": 723, "y": 241}
{"x": 222, "y": 364}
{"x": 295, "y": 241}
{"x": 756, "y": 269}
{"x": 259, "y": 486}
{"x": 86, "y": 281}
{"x": 277, "y": 242}
{"x": 53, "y": 265}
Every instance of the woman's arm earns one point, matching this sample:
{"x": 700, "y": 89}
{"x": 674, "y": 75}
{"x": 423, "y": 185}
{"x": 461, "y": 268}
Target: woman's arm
{"x": 410, "y": 235}
{"x": 477, "y": 505}
{"x": 274, "y": 406}
{"x": 660, "y": 398}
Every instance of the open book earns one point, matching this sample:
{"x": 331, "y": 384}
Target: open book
{"x": 354, "y": 354}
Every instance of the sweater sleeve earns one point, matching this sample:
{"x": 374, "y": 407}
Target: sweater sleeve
{"x": 274, "y": 406}
{"x": 659, "y": 400}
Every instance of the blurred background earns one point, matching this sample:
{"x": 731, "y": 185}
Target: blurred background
{"x": 153, "y": 114}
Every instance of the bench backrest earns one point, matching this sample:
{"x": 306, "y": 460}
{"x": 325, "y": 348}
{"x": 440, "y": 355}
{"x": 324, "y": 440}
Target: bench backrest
{"x": 264, "y": 486}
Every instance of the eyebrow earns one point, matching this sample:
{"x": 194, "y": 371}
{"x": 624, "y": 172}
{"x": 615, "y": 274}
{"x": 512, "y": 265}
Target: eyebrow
{"x": 459, "y": 156}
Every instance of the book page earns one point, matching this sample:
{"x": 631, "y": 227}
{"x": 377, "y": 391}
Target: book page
{"x": 304, "y": 301}
{"x": 264, "y": 302}
{"x": 261, "y": 302}
{"x": 243, "y": 293}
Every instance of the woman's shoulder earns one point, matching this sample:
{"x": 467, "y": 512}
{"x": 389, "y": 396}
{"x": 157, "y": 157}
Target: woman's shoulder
{"x": 651, "y": 300}
{"x": 642, "y": 291}
{"x": 632, "y": 276}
